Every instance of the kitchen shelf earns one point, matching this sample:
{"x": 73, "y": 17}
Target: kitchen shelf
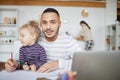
{"x": 113, "y": 37}
{"x": 8, "y": 31}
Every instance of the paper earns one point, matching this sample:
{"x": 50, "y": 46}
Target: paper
{"x": 51, "y": 75}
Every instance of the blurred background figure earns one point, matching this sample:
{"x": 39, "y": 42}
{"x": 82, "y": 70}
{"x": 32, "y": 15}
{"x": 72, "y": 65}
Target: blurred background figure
{"x": 85, "y": 34}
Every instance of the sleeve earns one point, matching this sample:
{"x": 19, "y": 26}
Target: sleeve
{"x": 21, "y": 56}
{"x": 81, "y": 33}
{"x": 72, "y": 46}
{"x": 65, "y": 64}
{"x": 42, "y": 58}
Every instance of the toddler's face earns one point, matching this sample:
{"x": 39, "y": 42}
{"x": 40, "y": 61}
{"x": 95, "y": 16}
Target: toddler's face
{"x": 25, "y": 37}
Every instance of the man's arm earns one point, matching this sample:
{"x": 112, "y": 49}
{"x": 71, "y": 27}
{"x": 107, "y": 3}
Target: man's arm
{"x": 49, "y": 66}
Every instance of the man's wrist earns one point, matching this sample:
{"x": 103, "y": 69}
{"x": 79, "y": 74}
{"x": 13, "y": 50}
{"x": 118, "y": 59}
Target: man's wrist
{"x": 18, "y": 66}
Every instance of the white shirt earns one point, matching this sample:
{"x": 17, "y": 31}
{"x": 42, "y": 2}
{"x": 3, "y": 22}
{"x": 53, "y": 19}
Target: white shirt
{"x": 86, "y": 32}
{"x": 61, "y": 49}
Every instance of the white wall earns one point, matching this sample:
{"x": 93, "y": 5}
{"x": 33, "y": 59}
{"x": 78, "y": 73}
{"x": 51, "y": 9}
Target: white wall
{"x": 111, "y": 12}
{"x": 70, "y": 17}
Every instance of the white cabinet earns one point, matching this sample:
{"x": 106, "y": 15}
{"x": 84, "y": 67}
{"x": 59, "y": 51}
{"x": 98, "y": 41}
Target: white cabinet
{"x": 8, "y": 31}
{"x": 113, "y": 37}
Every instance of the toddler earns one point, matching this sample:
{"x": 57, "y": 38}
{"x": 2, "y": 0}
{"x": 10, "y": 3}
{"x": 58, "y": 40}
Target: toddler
{"x": 32, "y": 55}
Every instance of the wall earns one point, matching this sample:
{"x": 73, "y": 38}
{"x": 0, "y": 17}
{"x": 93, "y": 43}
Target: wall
{"x": 70, "y": 17}
{"x": 111, "y": 12}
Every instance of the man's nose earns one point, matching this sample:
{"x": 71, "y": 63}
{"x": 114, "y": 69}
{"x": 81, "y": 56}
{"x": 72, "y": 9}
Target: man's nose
{"x": 48, "y": 26}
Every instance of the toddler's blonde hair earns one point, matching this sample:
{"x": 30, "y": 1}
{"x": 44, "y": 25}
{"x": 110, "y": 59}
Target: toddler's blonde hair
{"x": 33, "y": 27}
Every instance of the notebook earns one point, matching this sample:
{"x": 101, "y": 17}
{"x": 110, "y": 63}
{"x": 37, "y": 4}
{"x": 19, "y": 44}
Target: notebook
{"x": 97, "y": 65}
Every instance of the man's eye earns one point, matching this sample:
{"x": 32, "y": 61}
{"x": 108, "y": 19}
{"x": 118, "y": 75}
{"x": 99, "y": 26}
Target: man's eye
{"x": 53, "y": 22}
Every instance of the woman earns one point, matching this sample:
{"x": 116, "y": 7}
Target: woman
{"x": 86, "y": 35}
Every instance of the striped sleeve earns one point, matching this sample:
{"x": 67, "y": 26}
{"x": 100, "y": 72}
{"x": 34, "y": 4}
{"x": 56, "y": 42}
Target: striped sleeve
{"x": 42, "y": 59}
{"x": 21, "y": 56}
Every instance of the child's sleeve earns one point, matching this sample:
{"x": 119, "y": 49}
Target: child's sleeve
{"x": 42, "y": 58}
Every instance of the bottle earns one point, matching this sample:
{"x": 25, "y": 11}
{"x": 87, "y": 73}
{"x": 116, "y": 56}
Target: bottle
{"x": 13, "y": 20}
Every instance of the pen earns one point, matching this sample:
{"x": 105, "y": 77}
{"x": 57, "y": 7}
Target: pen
{"x": 72, "y": 75}
{"x": 12, "y": 57}
{"x": 65, "y": 76}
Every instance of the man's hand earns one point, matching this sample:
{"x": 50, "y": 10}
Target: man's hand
{"x": 49, "y": 66}
{"x": 11, "y": 65}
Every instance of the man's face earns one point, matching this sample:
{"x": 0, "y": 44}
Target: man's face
{"x": 50, "y": 23}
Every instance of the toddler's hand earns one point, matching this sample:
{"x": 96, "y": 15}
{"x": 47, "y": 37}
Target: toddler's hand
{"x": 26, "y": 67}
{"x": 33, "y": 67}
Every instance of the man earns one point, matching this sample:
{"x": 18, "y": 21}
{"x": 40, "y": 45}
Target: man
{"x": 59, "y": 47}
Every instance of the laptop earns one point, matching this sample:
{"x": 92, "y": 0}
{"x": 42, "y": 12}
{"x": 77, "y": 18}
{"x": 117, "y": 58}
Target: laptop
{"x": 104, "y": 65}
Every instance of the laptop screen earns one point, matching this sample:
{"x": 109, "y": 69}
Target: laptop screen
{"x": 96, "y": 65}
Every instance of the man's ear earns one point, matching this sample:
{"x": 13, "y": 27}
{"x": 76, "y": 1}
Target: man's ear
{"x": 59, "y": 23}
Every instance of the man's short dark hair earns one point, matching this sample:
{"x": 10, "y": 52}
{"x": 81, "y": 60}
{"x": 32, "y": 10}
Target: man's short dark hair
{"x": 51, "y": 10}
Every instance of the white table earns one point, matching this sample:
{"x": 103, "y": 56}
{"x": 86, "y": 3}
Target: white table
{"x": 28, "y": 75}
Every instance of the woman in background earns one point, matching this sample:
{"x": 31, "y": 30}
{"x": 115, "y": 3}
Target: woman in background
{"x": 86, "y": 35}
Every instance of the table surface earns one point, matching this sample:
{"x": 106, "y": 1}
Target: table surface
{"x": 28, "y": 75}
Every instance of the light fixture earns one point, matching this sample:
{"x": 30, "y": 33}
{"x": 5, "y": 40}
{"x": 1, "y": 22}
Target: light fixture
{"x": 84, "y": 13}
